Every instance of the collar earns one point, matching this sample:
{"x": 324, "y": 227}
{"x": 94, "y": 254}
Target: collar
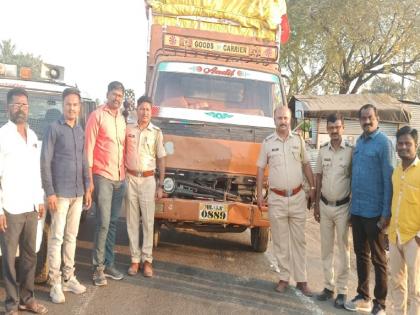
{"x": 150, "y": 126}
{"x": 342, "y": 145}
{"x": 372, "y": 135}
{"x": 414, "y": 163}
{"x": 62, "y": 121}
{"x": 106, "y": 108}
{"x": 11, "y": 125}
{"x": 277, "y": 137}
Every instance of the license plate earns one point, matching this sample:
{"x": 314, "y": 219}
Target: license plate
{"x": 215, "y": 212}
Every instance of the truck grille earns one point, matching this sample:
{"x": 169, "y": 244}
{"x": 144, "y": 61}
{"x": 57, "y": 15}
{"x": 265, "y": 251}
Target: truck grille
{"x": 212, "y": 186}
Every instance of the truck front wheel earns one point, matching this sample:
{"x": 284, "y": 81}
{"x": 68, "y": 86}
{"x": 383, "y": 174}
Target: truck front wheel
{"x": 259, "y": 238}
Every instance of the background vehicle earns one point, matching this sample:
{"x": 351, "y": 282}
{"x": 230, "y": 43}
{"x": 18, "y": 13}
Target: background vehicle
{"x": 45, "y": 99}
{"x": 216, "y": 83}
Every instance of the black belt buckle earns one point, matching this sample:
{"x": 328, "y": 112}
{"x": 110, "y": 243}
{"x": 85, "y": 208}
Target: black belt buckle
{"x": 335, "y": 203}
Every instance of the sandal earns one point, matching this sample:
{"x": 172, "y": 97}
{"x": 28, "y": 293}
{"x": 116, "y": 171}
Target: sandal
{"x": 33, "y": 307}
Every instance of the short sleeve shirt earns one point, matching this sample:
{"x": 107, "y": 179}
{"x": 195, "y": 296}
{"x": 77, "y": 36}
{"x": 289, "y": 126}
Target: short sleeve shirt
{"x": 143, "y": 147}
{"x": 335, "y": 168}
{"x": 285, "y": 159}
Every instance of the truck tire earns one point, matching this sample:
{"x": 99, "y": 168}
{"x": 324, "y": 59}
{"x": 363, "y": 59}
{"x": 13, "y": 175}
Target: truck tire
{"x": 156, "y": 235}
{"x": 41, "y": 272}
{"x": 259, "y": 238}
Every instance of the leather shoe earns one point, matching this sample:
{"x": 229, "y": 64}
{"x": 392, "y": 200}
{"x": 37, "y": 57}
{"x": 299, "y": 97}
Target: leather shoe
{"x": 325, "y": 295}
{"x": 303, "y": 287}
{"x": 340, "y": 300}
{"x": 133, "y": 269}
{"x": 282, "y": 286}
{"x": 147, "y": 269}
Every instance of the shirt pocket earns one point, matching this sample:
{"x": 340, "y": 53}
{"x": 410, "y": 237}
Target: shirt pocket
{"x": 150, "y": 144}
{"x": 276, "y": 158}
{"x": 412, "y": 194}
{"x": 296, "y": 154}
{"x": 326, "y": 165}
{"x": 344, "y": 168}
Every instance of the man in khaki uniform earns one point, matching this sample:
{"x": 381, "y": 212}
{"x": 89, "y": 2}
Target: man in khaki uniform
{"x": 144, "y": 147}
{"x": 287, "y": 160}
{"x": 331, "y": 209}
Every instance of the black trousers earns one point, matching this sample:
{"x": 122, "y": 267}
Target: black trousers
{"x": 21, "y": 229}
{"x": 369, "y": 239}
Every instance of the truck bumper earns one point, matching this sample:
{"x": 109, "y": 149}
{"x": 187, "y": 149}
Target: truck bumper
{"x": 209, "y": 212}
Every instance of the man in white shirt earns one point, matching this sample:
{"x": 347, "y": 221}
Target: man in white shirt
{"x": 21, "y": 204}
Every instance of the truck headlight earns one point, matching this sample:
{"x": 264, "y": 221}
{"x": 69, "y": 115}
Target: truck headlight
{"x": 169, "y": 185}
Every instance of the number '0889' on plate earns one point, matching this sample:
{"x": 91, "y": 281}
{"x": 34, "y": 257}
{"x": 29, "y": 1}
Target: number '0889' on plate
{"x": 214, "y": 212}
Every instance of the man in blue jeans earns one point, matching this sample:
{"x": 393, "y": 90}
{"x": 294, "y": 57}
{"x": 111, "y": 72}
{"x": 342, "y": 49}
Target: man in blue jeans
{"x": 105, "y": 141}
{"x": 371, "y": 188}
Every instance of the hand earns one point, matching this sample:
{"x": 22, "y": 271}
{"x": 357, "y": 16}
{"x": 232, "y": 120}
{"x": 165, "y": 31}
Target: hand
{"x": 52, "y": 203}
{"x": 88, "y": 200}
{"x": 417, "y": 240}
{"x": 91, "y": 187}
{"x": 41, "y": 210}
{"x": 383, "y": 223}
{"x": 312, "y": 195}
{"x": 3, "y": 223}
{"x": 317, "y": 213}
{"x": 159, "y": 193}
{"x": 260, "y": 201}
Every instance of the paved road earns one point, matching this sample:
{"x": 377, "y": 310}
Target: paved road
{"x": 195, "y": 274}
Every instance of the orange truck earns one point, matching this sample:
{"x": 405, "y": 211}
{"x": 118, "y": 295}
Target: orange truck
{"x": 215, "y": 84}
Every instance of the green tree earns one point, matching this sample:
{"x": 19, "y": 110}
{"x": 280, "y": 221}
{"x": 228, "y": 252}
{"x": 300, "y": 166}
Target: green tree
{"x": 9, "y": 55}
{"x": 413, "y": 92}
{"x": 338, "y": 45}
{"x": 385, "y": 85}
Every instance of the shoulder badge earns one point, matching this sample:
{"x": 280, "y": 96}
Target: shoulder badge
{"x": 324, "y": 144}
{"x": 348, "y": 144}
{"x": 269, "y": 137}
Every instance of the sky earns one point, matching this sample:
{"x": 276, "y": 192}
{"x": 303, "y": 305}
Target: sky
{"x": 95, "y": 41}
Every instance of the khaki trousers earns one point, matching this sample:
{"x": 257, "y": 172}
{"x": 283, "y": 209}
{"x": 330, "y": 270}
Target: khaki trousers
{"x": 405, "y": 268}
{"x": 287, "y": 219}
{"x": 64, "y": 228}
{"x": 140, "y": 201}
{"x": 335, "y": 221}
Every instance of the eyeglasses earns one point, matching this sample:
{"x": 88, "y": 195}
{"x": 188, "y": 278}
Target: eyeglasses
{"x": 19, "y": 105}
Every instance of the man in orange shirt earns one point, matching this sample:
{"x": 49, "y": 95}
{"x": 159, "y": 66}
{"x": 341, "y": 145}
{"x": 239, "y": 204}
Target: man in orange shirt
{"x": 105, "y": 140}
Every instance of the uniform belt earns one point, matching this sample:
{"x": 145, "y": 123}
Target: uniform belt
{"x": 141, "y": 174}
{"x": 286, "y": 192}
{"x": 335, "y": 203}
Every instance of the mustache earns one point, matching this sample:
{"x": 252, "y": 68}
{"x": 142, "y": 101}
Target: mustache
{"x": 367, "y": 125}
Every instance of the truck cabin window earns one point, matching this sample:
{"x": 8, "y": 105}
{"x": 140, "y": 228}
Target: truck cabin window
{"x": 227, "y": 94}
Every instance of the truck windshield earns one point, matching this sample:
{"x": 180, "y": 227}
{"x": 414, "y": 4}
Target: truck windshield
{"x": 44, "y": 108}
{"x": 216, "y": 88}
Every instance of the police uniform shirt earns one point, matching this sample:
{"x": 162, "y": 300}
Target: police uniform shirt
{"x": 143, "y": 147}
{"x": 335, "y": 167}
{"x": 284, "y": 159}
